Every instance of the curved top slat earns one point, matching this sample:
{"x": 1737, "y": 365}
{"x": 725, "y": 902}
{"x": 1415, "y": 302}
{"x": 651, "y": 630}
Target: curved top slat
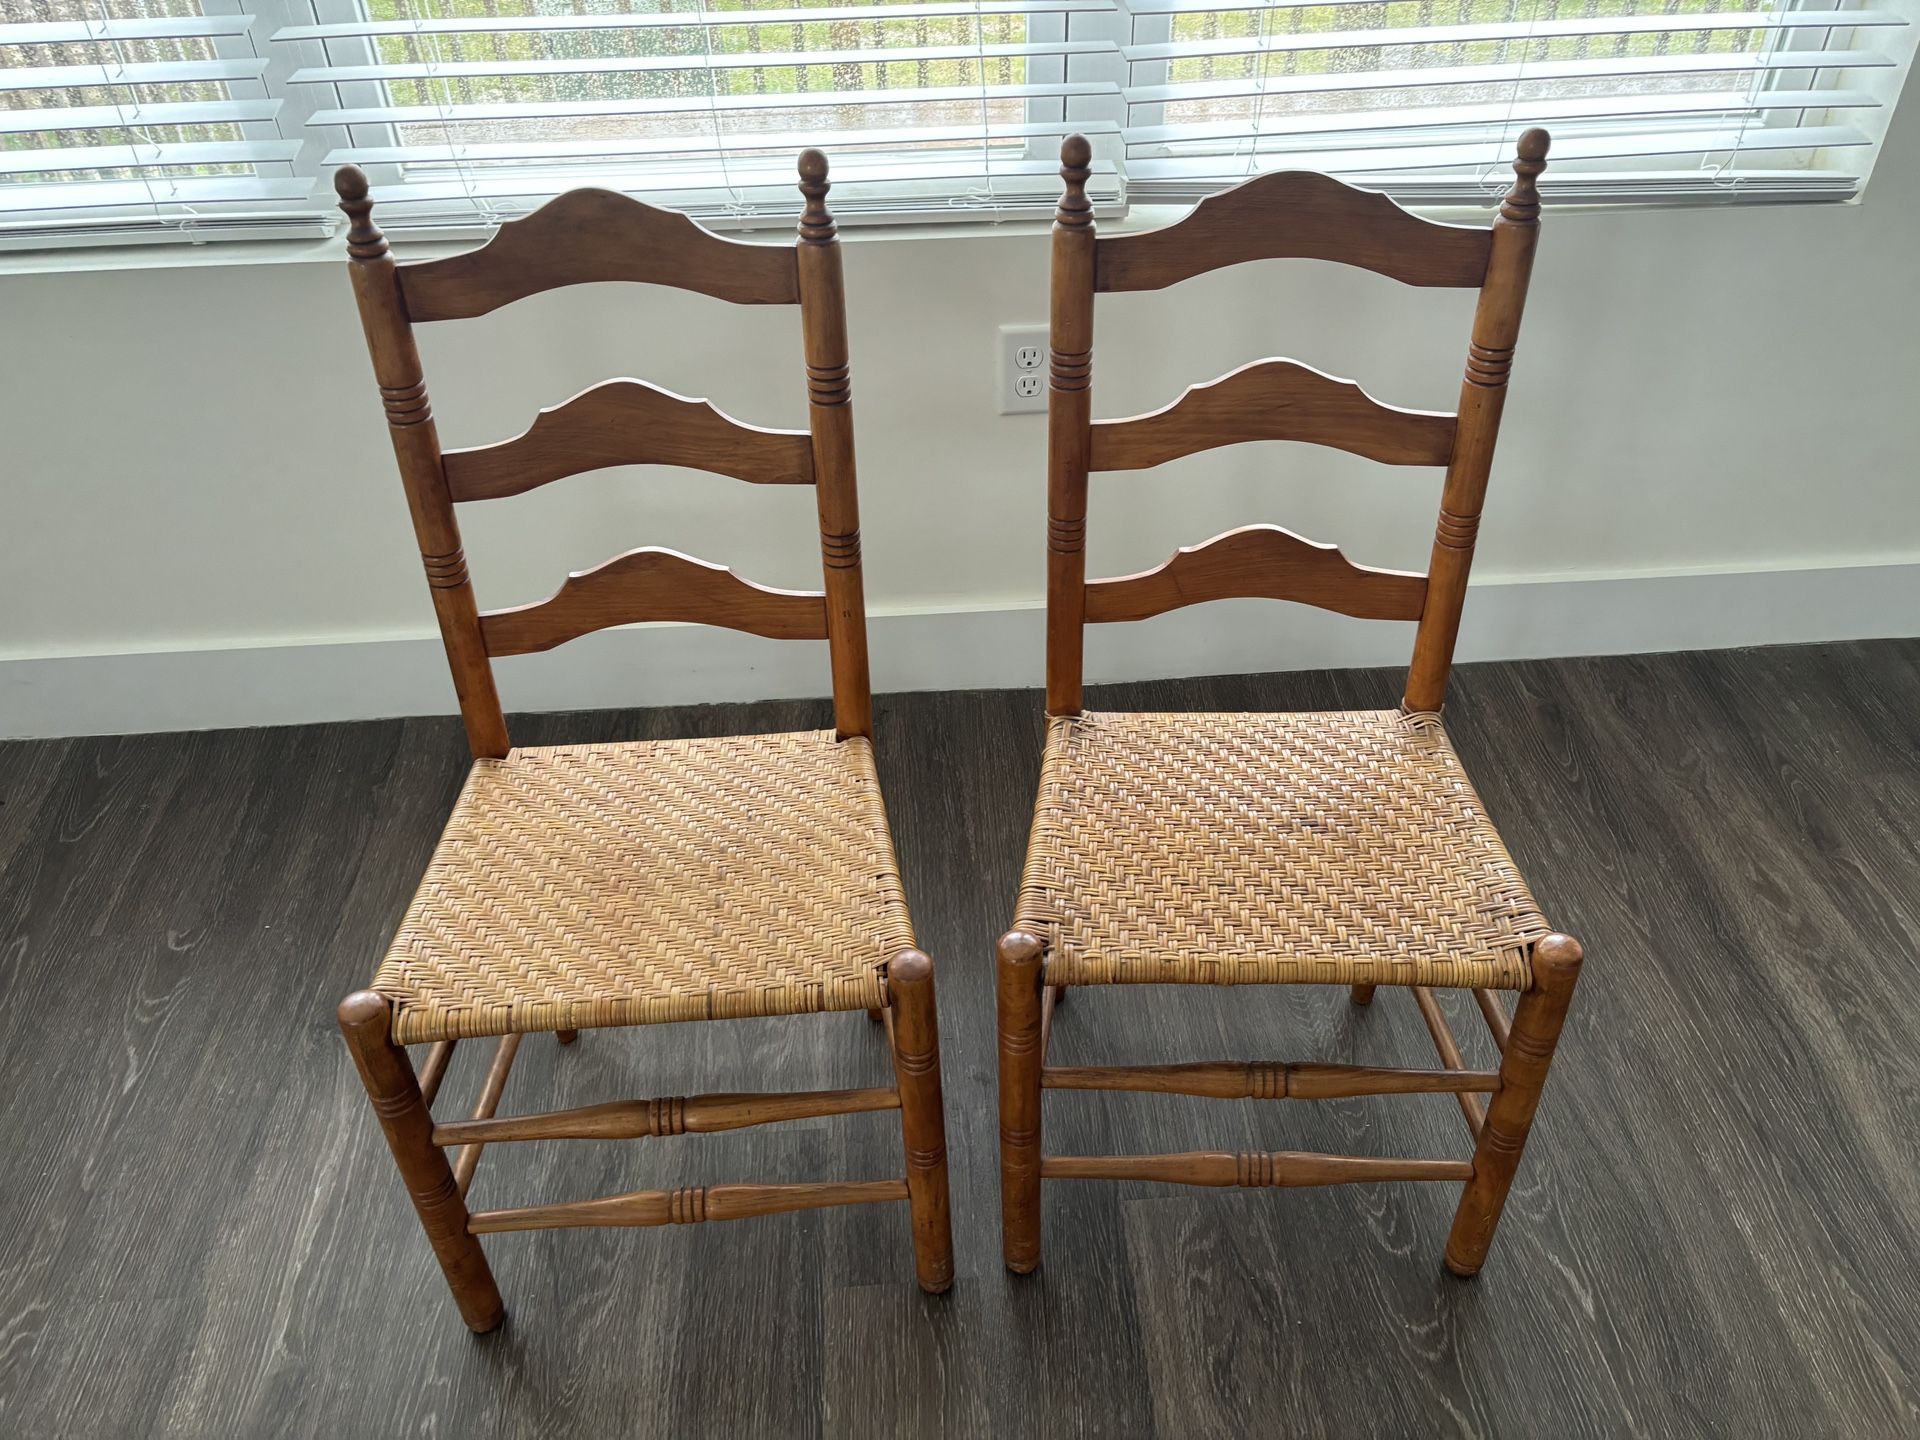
{"x": 1260, "y": 562}
{"x": 1275, "y": 400}
{"x": 591, "y": 235}
{"x": 1296, "y": 215}
{"x": 648, "y": 585}
{"x": 629, "y": 422}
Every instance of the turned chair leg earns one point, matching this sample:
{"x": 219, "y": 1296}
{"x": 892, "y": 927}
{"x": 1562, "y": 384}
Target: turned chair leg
{"x": 1523, "y": 1074}
{"x": 395, "y": 1093}
{"x": 1020, "y": 1064}
{"x": 566, "y": 1037}
{"x": 923, "y": 1120}
{"x": 1362, "y": 994}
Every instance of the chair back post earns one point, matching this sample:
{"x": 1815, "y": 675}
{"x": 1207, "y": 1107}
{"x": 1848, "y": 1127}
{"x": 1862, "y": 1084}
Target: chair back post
{"x": 823, "y": 320}
{"x": 1069, "y": 429}
{"x": 416, "y": 445}
{"x": 1483, "y": 394}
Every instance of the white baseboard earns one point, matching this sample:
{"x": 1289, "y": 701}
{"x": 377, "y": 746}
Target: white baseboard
{"x": 360, "y": 679}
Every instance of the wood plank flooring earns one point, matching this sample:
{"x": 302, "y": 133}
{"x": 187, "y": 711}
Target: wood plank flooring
{"x": 1716, "y": 1230}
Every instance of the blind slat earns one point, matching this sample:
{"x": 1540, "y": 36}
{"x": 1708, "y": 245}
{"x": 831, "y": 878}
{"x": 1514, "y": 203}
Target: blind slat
{"x": 94, "y": 32}
{"x": 117, "y": 194}
{"x": 1515, "y": 71}
{"x": 1388, "y": 156}
{"x": 148, "y": 72}
{"x": 136, "y": 116}
{"x": 139, "y": 155}
{"x": 900, "y": 137}
{"x": 455, "y": 114}
{"x": 682, "y": 19}
{"x": 641, "y": 64}
{"x": 1516, "y": 29}
{"x": 1501, "y": 114}
{"x": 1196, "y": 7}
{"x": 1637, "y": 185}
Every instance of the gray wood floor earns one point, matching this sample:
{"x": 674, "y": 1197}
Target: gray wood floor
{"x": 1714, "y": 1233}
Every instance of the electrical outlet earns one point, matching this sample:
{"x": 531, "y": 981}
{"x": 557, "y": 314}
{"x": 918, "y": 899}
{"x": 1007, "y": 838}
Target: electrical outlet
{"x": 1023, "y": 376}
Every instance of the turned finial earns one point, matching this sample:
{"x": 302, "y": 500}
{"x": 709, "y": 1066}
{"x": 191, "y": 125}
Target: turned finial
{"x": 364, "y": 240}
{"x": 1522, "y": 203}
{"x": 1076, "y": 156}
{"x": 816, "y": 221}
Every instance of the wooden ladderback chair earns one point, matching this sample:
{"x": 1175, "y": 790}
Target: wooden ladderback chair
{"x": 1342, "y": 848}
{"x": 608, "y": 885}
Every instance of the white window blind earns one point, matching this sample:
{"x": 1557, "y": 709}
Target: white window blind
{"x": 930, "y": 108}
{"x": 205, "y": 119}
{"x": 124, "y": 119}
{"x": 1648, "y": 100}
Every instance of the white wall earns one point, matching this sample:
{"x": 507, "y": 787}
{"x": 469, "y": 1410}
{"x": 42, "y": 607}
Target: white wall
{"x": 197, "y": 474}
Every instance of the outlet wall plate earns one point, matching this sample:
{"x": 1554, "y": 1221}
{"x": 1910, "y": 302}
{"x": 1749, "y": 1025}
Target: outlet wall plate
{"x": 1023, "y": 373}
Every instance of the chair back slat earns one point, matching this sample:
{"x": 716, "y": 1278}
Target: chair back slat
{"x": 1296, "y": 215}
{"x": 1260, "y": 562}
{"x": 629, "y": 422}
{"x": 649, "y": 585}
{"x": 1274, "y": 400}
{"x": 590, "y": 235}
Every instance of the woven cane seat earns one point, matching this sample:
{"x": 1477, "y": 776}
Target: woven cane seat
{"x": 1314, "y": 847}
{"x": 590, "y": 885}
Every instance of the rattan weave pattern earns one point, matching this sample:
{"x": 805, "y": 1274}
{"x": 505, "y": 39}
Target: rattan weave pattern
{"x": 1338, "y": 847}
{"x": 589, "y": 885}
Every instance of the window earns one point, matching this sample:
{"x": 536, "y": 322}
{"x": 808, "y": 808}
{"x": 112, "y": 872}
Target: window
{"x": 931, "y": 107}
{"x": 1648, "y": 100}
{"x": 136, "y": 118}
{"x": 206, "y": 119}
